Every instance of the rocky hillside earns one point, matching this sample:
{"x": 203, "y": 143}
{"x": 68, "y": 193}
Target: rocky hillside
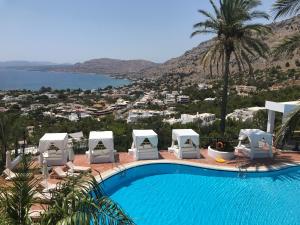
{"x": 107, "y": 66}
{"x": 189, "y": 65}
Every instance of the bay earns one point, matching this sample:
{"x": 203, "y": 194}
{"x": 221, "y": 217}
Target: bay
{"x": 15, "y": 79}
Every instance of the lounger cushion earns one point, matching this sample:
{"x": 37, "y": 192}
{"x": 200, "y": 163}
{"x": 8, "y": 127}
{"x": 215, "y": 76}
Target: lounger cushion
{"x": 101, "y": 152}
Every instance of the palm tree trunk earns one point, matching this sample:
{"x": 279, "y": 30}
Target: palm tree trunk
{"x": 225, "y": 91}
{"x": 4, "y": 150}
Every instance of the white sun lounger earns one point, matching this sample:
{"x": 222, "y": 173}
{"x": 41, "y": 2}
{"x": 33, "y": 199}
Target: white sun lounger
{"x": 35, "y": 214}
{"x": 9, "y": 175}
{"x": 71, "y": 167}
{"x": 62, "y": 174}
{"x": 42, "y": 196}
{"x": 47, "y": 186}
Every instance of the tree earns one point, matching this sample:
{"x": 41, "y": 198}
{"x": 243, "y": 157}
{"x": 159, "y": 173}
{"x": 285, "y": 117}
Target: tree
{"x": 291, "y": 43}
{"x": 11, "y": 130}
{"x": 17, "y": 198}
{"x": 6, "y": 130}
{"x": 236, "y": 38}
{"x": 288, "y": 126}
{"x": 80, "y": 200}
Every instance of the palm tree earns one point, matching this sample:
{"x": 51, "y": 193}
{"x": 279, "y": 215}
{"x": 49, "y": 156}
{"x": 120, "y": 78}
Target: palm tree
{"x": 236, "y": 38}
{"x": 285, "y": 8}
{"x": 288, "y": 126}
{"x": 11, "y": 130}
{"x": 80, "y": 200}
{"x": 6, "y": 130}
{"x": 17, "y": 198}
{"x": 286, "y": 48}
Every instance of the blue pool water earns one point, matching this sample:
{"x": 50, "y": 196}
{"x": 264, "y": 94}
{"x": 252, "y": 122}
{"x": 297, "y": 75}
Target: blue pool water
{"x": 162, "y": 194}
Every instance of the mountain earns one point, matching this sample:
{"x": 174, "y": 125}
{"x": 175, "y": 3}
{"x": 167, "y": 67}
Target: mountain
{"x": 23, "y": 63}
{"x": 189, "y": 64}
{"x": 107, "y": 66}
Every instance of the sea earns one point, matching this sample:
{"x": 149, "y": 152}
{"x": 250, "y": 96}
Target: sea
{"x": 19, "y": 79}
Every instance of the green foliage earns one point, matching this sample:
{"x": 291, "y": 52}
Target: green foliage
{"x": 80, "y": 200}
{"x": 286, "y": 7}
{"x": 291, "y": 43}
{"x": 11, "y": 129}
{"x": 17, "y": 199}
{"x": 291, "y": 122}
{"x": 287, "y": 46}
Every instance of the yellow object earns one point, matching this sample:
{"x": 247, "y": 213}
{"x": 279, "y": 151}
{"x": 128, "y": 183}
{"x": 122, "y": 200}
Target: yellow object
{"x": 220, "y": 160}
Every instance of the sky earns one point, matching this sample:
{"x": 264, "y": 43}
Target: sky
{"x": 70, "y": 31}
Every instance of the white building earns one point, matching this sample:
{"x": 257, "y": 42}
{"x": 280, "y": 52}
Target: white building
{"x": 157, "y": 102}
{"x": 170, "y": 99}
{"x": 246, "y": 114}
{"x": 135, "y": 115}
{"x": 51, "y": 95}
{"x": 75, "y": 116}
{"x": 8, "y": 98}
{"x": 175, "y": 93}
{"x": 23, "y": 97}
{"x": 204, "y": 86}
{"x": 206, "y": 118}
{"x": 140, "y": 104}
{"x": 244, "y": 90}
{"x": 36, "y": 106}
{"x": 48, "y": 113}
{"x": 120, "y": 104}
{"x": 183, "y": 99}
{"x": 209, "y": 99}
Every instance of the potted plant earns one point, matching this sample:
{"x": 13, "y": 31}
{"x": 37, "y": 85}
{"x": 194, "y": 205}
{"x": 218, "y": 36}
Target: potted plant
{"x": 221, "y": 149}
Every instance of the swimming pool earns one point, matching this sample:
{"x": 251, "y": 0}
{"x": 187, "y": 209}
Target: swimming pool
{"x": 162, "y": 194}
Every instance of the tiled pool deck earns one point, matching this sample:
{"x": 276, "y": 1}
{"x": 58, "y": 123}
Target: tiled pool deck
{"x": 123, "y": 159}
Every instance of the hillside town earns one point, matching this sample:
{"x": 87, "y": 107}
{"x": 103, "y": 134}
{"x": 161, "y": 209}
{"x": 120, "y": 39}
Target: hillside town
{"x": 128, "y": 103}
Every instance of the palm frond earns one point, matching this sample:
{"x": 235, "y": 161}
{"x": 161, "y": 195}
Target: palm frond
{"x": 17, "y": 199}
{"x": 81, "y": 200}
{"x": 216, "y": 10}
{"x": 291, "y": 119}
{"x": 286, "y": 7}
{"x": 287, "y": 46}
{"x": 208, "y": 15}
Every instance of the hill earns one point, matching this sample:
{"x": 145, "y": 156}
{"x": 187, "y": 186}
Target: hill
{"x": 108, "y": 66}
{"x": 23, "y": 63}
{"x": 189, "y": 64}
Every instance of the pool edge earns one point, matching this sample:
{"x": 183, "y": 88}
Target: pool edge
{"x": 109, "y": 173}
